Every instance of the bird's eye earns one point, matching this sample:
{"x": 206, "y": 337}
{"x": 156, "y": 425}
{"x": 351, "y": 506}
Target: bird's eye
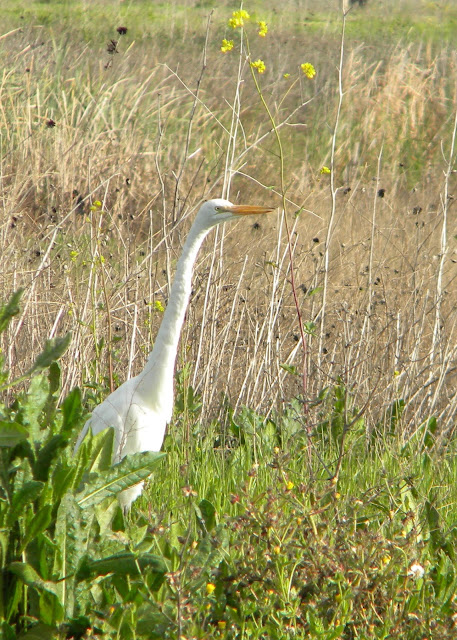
{"x": 218, "y": 209}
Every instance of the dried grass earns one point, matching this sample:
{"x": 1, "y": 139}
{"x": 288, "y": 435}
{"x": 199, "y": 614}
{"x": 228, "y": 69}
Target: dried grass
{"x": 149, "y": 140}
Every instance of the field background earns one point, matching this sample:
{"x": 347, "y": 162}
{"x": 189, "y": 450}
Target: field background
{"x": 107, "y": 151}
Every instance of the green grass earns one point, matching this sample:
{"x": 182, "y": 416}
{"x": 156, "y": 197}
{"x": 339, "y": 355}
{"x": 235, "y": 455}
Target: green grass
{"x": 387, "y": 20}
{"x": 244, "y": 531}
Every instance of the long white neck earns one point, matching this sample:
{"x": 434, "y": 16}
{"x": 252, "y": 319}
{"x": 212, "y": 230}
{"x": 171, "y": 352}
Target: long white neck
{"x": 162, "y": 358}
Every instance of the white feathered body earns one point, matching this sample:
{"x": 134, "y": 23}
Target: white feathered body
{"x": 138, "y": 420}
{"x": 140, "y": 409}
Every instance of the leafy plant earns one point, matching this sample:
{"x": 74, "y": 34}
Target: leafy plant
{"x": 51, "y": 533}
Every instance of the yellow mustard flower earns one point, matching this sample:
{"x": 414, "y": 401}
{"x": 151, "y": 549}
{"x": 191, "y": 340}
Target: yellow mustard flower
{"x": 227, "y": 45}
{"x": 308, "y": 69}
{"x": 325, "y": 170}
{"x": 289, "y": 485}
{"x": 238, "y": 19}
{"x": 386, "y": 558}
{"x": 286, "y": 75}
{"x": 259, "y": 65}
{"x": 210, "y": 588}
{"x": 158, "y": 306}
{"x": 263, "y": 28}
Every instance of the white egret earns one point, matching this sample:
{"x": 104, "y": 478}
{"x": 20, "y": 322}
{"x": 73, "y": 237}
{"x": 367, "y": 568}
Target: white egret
{"x": 140, "y": 409}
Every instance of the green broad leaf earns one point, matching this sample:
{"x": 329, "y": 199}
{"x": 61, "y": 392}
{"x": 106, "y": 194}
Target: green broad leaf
{"x": 71, "y": 410}
{"x": 77, "y": 627}
{"x": 30, "y": 577}
{"x": 313, "y": 292}
{"x": 40, "y": 631}
{"x": 47, "y": 454}
{"x": 7, "y": 632}
{"x": 101, "y": 450}
{"x": 51, "y": 610}
{"x": 151, "y": 623}
{"x": 12, "y": 433}
{"x": 10, "y": 309}
{"x": 34, "y": 403}
{"x": 36, "y": 525}
{"x": 132, "y": 470}
{"x": 4, "y": 540}
{"x": 207, "y": 556}
{"x": 207, "y": 514}
{"x": 69, "y": 537}
{"x": 82, "y": 457}
{"x": 53, "y": 350}
{"x": 309, "y": 328}
{"x": 104, "y": 513}
{"x": 54, "y": 378}
{"x": 289, "y": 368}
{"x": 22, "y": 498}
{"x": 124, "y": 563}
{"x": 63, "y": 479}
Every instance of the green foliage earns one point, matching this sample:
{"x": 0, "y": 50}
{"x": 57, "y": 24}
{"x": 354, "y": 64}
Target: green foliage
{"x": 52, "y": 541}
{"x": 250, "y": 537}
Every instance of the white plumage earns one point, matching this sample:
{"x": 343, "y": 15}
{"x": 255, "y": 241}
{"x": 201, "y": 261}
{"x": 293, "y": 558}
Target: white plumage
{"x": 140, "y": 409}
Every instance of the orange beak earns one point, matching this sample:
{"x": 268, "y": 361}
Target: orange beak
{"x": 248, "y": 209}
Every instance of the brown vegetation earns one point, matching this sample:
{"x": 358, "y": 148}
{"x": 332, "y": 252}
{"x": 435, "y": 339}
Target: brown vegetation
{"x": 149, "y": 133}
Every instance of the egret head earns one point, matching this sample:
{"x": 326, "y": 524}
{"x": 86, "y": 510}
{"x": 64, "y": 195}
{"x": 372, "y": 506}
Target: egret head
{"x": 213, "y": 212}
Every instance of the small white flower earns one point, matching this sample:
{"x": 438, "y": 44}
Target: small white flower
{"x": 416, "y": 570}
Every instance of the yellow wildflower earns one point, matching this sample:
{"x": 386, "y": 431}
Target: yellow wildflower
{"x": 308, "y": 69}
{"x": 259, "y": 65}
{"x": 289, "y": 485}
{"x": 238, "y": 18}
{"x": 210, "y": 588}
{"x": 386, "y": 558}
{"x": 263, "y": 28}
{"x": 286, "y": 75}
{"x": 325, "y": 170}
{"x": 158, "y": 306}
{"x": 221, "y": 624}
{"x": 227, "y": 45}
{"x": 277, "y": 549}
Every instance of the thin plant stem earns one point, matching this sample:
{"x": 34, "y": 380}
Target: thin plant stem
{"x": 333, "y": 191}
{"x": 286, "y": 226}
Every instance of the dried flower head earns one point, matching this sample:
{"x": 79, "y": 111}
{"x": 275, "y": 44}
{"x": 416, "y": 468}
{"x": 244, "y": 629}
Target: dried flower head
{"x": 112, "y": 47}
